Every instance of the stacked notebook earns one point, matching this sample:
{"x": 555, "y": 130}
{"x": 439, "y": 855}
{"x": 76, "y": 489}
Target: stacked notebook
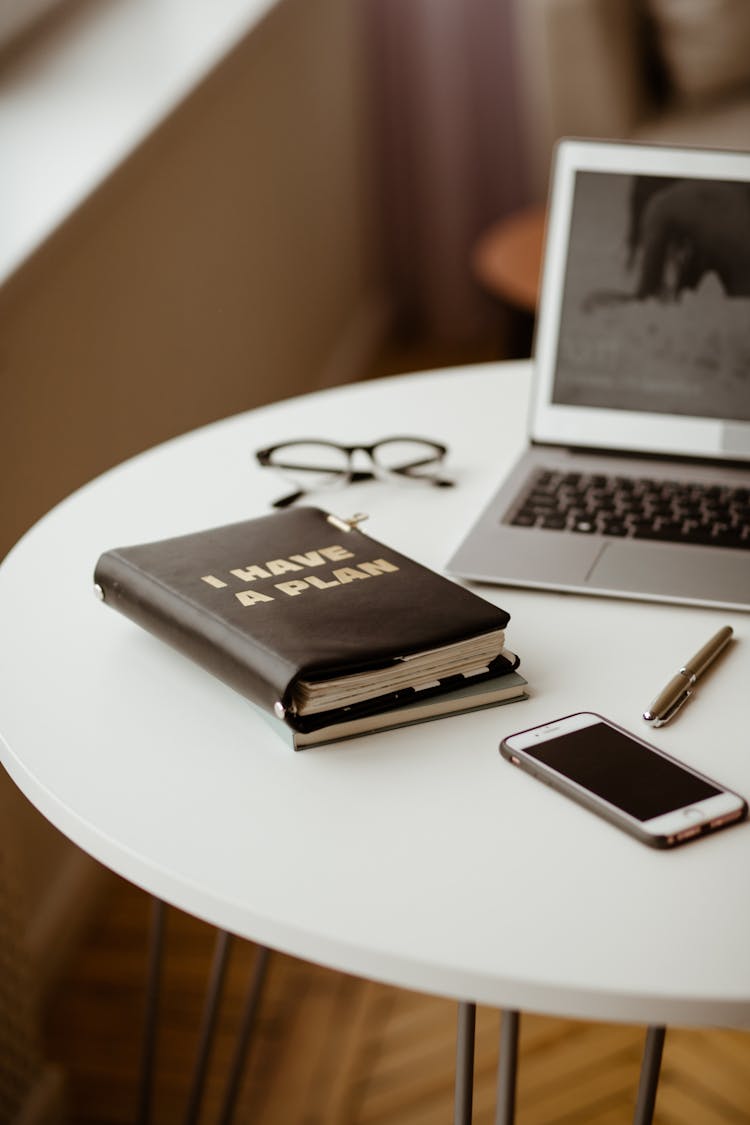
{"x": 325, "y": 628}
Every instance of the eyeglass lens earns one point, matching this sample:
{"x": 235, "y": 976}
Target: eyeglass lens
{"x": 311, "y": 464}
{"x": 407, "y": 457}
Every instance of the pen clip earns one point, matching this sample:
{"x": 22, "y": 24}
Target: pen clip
{"x": 682, "y": 685}
{"x": 672, "y": 710}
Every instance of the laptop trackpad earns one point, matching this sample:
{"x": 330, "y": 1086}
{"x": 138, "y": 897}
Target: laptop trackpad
{"x": 672, "y": 571}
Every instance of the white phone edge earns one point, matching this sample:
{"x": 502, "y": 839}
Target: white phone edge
{"x": 666, "y": 830}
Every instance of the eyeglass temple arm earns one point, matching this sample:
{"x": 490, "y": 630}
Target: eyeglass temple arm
{"x": 287, "y": 501}
{"x": 409, "y": 474}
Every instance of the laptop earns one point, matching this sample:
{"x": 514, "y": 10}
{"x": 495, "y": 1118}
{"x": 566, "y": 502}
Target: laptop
{"x": 636, "y": 479}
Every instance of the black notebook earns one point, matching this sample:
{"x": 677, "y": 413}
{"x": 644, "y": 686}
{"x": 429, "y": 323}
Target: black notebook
{"x": 325, "y": 628}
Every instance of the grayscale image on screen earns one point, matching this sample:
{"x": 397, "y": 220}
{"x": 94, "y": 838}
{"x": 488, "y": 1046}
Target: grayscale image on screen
{"x": 656, "y": 302}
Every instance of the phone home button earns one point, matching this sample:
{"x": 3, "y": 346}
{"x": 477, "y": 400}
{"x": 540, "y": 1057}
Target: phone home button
{"x": 692, "y": 814}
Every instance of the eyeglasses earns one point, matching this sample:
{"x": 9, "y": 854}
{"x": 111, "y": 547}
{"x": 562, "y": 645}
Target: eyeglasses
{"x": 311, "y": 465}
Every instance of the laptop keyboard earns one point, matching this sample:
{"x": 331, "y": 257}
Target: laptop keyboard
{"x": 635, "y": 508}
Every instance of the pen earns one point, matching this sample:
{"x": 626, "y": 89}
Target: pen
{"x": 681, "y": 687}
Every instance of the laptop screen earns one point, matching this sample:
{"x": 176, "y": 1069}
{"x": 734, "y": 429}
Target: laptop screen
{"x": 655, "y": 311}
{"x": 643, "y": 328}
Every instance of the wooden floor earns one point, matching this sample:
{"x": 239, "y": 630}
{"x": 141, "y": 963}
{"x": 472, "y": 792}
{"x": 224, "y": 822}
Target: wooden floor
{"x": 333, "y": 1050}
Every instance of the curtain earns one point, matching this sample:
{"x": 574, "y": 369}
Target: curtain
{"x": 444, "y": 79}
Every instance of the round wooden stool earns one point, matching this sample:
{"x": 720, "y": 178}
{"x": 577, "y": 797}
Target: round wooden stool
{"x": 507, "y": 261}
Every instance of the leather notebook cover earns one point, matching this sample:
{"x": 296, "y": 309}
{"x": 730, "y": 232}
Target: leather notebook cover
{"x": 290, "y": 596}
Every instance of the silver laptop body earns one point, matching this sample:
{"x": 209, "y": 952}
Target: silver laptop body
{"x": 640, "y": 412}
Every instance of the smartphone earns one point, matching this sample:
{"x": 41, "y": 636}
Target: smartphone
{"x": 624, "y": 779}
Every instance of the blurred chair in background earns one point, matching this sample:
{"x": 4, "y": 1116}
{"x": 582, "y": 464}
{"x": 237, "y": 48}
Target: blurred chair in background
{"x": 666, "y": 71}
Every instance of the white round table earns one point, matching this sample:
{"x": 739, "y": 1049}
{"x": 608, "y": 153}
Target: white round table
{"x": 416, "y": 857}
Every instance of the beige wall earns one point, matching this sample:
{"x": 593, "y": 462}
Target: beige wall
{"x": 231, "y": 262}
{"x": 219, "y": 269}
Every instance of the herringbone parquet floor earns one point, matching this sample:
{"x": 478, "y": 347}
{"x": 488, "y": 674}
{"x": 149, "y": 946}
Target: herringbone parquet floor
{"x": 333, "y": 1050}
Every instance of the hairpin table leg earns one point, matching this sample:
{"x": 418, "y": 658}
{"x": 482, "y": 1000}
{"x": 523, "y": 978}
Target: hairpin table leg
{"x": 649, "y": 1082}
{"x": 248, "y": 1023}
{"x": 507, "y": 1068}
{"x": 210, "y": 1012}
{"x": 148, "y": 1050}
{"x": 465, "y": 1064}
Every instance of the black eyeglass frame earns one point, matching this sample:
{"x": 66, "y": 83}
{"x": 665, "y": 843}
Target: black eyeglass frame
{"x": 351, "y": 475}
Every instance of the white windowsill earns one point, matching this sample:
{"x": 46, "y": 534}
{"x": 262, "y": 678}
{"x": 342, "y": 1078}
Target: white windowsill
{"x": 81, "y": 95}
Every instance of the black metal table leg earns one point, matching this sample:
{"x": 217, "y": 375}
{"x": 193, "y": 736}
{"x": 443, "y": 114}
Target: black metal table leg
{"x": 210, "y": 1012}
{"x": 649, "y": 1081}
{"x": 507, "y": 1068}
{"x": 248, "y": 1024}
{"x": 464, "y": 1094}
{"x": 153, "y": 983}
{"x": 222, "y": 949}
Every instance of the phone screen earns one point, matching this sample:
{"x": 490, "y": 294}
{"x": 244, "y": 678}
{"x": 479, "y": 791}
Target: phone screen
{"x": 621, "y": 771}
